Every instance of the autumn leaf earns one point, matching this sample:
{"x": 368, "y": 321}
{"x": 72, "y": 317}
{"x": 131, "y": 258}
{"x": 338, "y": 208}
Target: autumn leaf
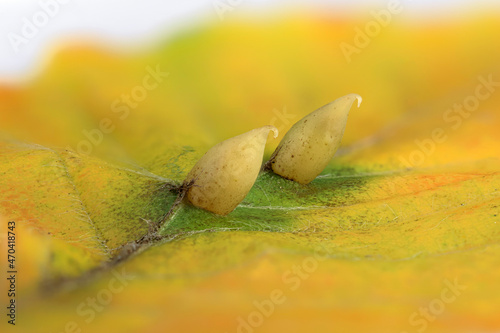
{"x": 404, "y": 218}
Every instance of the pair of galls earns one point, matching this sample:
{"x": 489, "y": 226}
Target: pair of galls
{"x": 225, "y": 174}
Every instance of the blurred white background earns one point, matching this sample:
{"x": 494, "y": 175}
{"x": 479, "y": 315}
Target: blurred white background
{"x": 131, "y": 24}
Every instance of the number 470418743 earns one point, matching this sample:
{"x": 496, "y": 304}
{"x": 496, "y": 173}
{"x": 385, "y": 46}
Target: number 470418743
{"x": 11, "y": 245}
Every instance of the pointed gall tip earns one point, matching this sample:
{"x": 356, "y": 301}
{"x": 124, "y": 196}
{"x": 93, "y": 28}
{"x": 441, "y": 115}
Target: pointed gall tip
{"x": 358, "y": 97}
{"x": 274, "y": 129}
